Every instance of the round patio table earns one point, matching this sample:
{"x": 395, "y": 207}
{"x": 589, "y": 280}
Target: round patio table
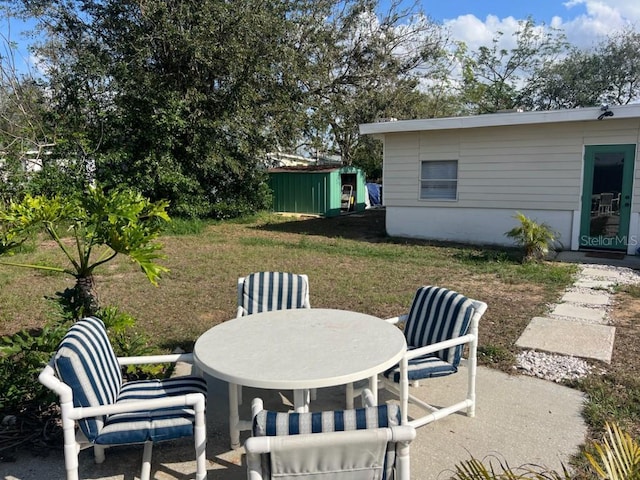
{"x": 299, "y": 350}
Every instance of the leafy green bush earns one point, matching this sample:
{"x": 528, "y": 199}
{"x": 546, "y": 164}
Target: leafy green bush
{"x": 128, "y": 342}
{"x": 536, "y": 238}
{"x": 24, "y": 354}
{"x": 22, "y": 357}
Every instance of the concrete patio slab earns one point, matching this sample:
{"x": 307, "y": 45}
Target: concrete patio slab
{"x": 567, "y": 337}
{"x": 519, "y": 419}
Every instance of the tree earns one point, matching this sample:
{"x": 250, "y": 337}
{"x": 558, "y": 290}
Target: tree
{"x": 182, "y": 98}
{"x": 363, "y": 66}
{"x": 175, "y": 97}
{"x": 120, "y": 221}
{"x": 572, "y": 82}
{"x": 26, "y": 131}
{"x": 609, "y": 73}
{"x": 497, "y": 78}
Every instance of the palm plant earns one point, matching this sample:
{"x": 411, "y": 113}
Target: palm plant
{"x": 101, "y": 225}
{"x": 536, "y": 238}
{"x": 618, "y": 457}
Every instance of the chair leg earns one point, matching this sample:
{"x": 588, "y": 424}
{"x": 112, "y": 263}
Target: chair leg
{"x": 145, "y": 472}
{"x": 403, "y": 463}
{"x": 200, "y": 439}
{"x": 404, "y": 390}
{"x": 98, "y": 453}
{"x": 71, "y": 447}
{"x": 471, "y": 387}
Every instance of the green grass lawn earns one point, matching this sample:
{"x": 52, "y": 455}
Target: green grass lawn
{"x": 350, "y": 266}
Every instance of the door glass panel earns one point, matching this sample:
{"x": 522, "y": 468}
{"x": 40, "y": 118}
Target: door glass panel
{"x": 605, "y": 196}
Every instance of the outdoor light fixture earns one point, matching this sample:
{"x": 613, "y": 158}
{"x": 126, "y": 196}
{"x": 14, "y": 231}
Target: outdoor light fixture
{"x": 605, "y": 112}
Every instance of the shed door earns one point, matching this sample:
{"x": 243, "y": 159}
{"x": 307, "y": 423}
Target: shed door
{"x": 606, "y": 198}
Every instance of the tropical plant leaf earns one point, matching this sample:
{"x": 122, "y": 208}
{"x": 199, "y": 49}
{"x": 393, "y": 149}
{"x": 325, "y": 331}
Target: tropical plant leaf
{"x": 618, "y": 457}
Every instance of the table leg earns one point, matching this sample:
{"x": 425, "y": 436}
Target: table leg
{"x": 373, "y": 386}
{"x": 234, "y": 416}
{"x": 349, "y": 394}
{"x": 301, "y": 400}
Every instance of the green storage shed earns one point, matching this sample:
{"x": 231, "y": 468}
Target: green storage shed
{"x": 317, "y": 189}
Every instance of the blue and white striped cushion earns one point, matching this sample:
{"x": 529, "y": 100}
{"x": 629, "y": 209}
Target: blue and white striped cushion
{"x": 428, "y": 366}
{"x": 266, "y": 291}
{"x": 86, "y": 362}
{"x": 154, "y": 425}
{"x": 438, "y": 314}
{"x": 269, "y": 423}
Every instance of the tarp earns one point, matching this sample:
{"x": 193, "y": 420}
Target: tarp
{"x": 374, "y": 190}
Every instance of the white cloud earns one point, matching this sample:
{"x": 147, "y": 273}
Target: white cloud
{"x": 585, "y": 23}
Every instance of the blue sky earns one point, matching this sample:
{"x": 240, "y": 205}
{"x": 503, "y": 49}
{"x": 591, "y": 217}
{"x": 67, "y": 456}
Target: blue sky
{"x": 540, "y": 10}
{"x": 585, "y": 22}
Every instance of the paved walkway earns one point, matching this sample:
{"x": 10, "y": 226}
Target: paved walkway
{"x": 519, "y": 419}
{"x": 579, "y": 325}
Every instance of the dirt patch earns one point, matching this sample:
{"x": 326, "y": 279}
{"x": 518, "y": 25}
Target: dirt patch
{"x": 368, "y": 225}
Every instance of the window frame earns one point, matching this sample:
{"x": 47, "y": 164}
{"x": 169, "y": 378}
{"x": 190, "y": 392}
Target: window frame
{"x": 453, "y": 181}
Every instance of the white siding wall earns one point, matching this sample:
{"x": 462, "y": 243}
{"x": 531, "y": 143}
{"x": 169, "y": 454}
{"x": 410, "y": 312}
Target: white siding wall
{"x": 470, "y": 225}
{"x": 501, "y": 170}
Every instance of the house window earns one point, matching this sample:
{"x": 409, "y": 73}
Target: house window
{"x": 439, "y": 180}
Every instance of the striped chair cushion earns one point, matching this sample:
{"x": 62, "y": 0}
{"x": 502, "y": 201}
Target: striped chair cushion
{"x": 269, "y": 423}
{"x": 86, "y": 362}
{"x": 438, "y": 314}
{"x": 429, "y": 366}
{"x": 153, "y": 425}
{"x": 265, "y": 291}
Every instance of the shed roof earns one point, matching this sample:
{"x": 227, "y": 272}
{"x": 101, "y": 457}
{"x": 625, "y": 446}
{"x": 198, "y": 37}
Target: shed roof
{"x": 500, "y": 119}
{"x": 307, "y": 168}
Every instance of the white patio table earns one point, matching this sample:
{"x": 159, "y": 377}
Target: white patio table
{"x": 299, "y": 350}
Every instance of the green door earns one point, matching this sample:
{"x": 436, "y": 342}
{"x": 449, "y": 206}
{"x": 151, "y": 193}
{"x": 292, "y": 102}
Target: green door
{"x": 606, "y": 197}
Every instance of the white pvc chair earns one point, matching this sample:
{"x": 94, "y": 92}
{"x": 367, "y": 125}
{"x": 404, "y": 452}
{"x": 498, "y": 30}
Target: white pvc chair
{"x": 438, "y": 326}
{"x": 266, "y": 291}
{"x": 367, "y": 443}
{"x": 86, "y": 375}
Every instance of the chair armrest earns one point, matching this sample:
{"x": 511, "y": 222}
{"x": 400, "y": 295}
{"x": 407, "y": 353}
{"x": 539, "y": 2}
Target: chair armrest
{"x": 189, "y": 399}
{"x": 256, "y": 407}
{"x": 367, "y": 398}
{"x": 49, "y": 379}
{"x": 146, "y": 359}
{"x": 420, "y": 351}
{"x": 398, "y": 319}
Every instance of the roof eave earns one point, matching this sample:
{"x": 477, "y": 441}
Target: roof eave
{"x": 499, "y": 119}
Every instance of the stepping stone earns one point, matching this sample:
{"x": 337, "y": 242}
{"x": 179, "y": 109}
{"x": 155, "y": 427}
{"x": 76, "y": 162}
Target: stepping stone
{"x": 566, "y": 337}
{"x": 586, "y": 298}
{"x": 581, "y": 313}
{"x": 589, "y": 283}
{"x": 596, "y": 273}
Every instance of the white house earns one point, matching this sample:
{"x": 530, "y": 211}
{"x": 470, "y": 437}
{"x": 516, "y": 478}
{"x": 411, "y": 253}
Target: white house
{"x": 463, "y": 178}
